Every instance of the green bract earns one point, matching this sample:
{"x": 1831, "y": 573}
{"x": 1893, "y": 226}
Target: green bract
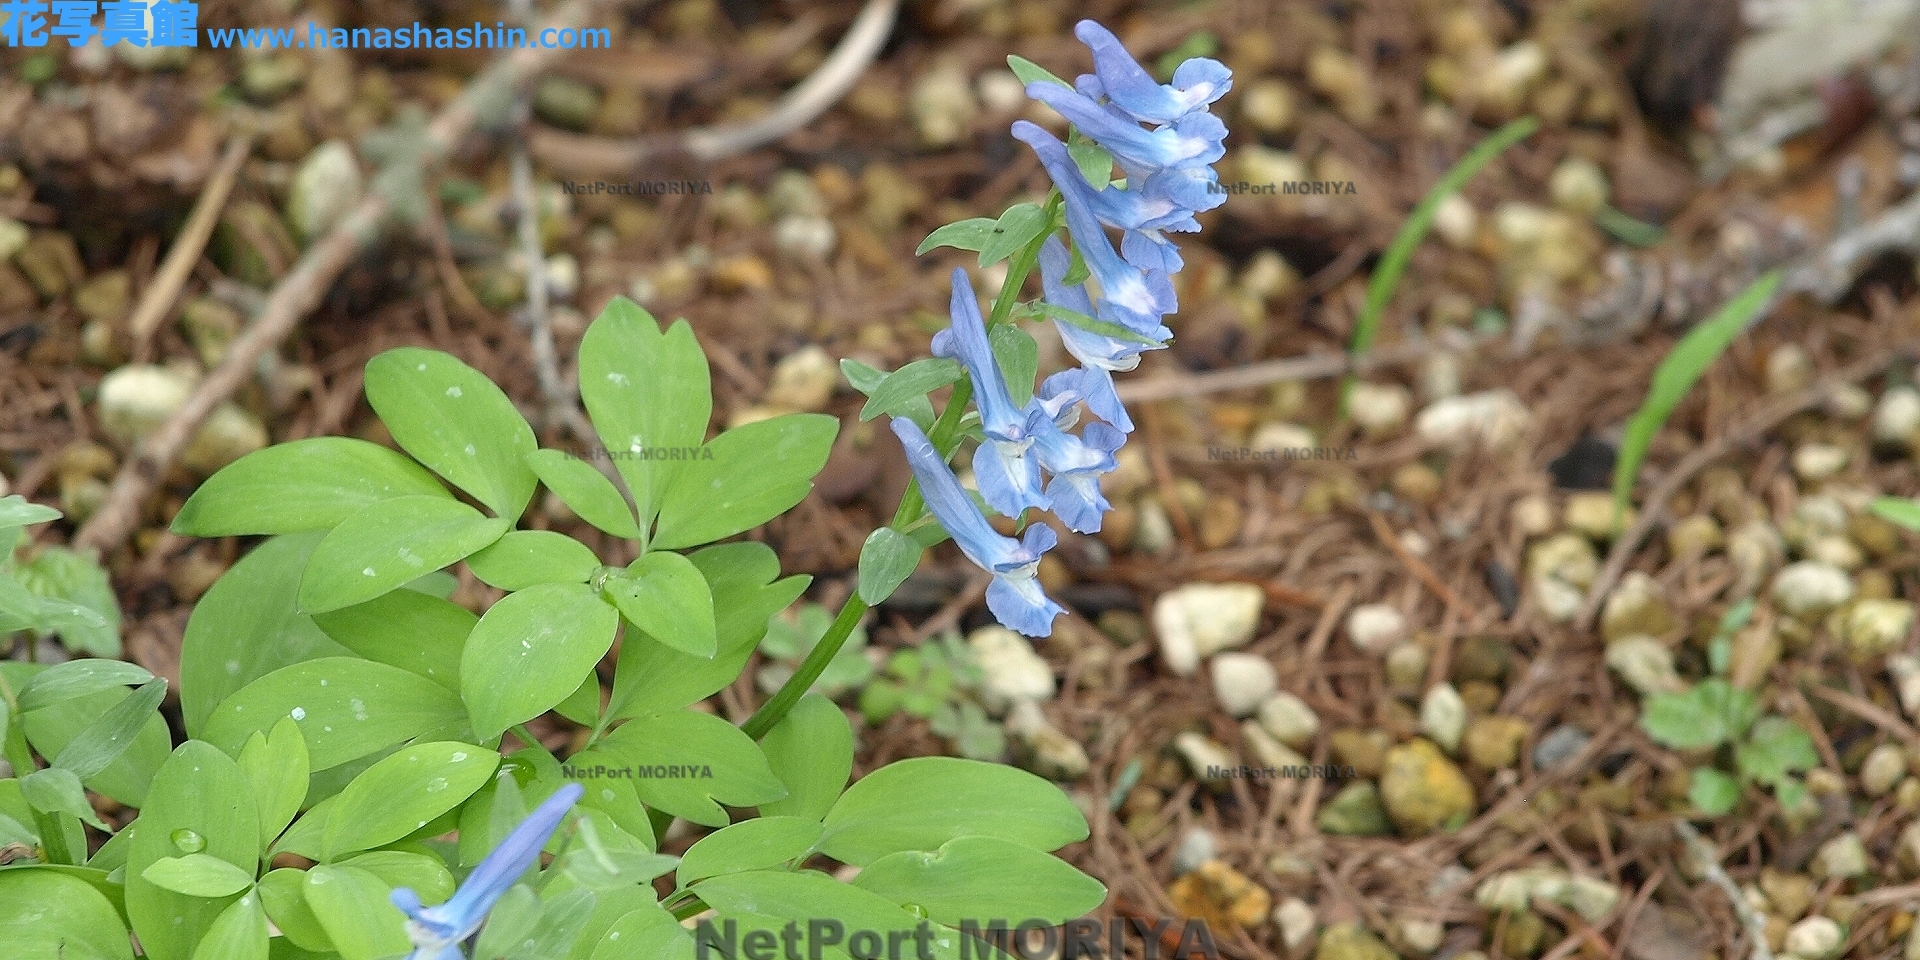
{"x": 340, "y": 707}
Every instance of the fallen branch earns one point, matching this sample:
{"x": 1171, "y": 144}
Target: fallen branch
{"x": 1653, "y": 508}
{"x": 589, "y": 156}
{"x": 489, "y": 95}
{"x": 1312, "y": 367}
{"x": 159, "y": 296}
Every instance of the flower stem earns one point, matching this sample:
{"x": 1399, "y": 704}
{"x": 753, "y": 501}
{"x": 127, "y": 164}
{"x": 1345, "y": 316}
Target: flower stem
{"x": 911, "y": 504}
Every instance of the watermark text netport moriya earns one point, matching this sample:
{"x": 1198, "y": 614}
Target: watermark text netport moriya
{"x": 646, "y": 453}
{"x": 1305, "y": 771}
{"x": 644, "y": 188}
{"x": 1282, "y": 454}
{"x": 1029, "y": 940}
{"x": 657, "y": 771}
{"x": 1290, "y": 187}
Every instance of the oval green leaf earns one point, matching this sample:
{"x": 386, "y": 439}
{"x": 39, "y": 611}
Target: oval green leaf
{"x": 311, "y": 484}
{"x": 923, "y": 802}
{"x": 649, "y": 394}
{"x": 586, "y": 491}
{"x": 46, "y": 914}
{"x": 197, "y": 875}
{"x": 240, "y": 933}
{"x": 389, "y": 545}
{"x": 276, "y": 766}
{"x": 456, "y": 422}
{"x": 973, "y": 877}
{"x": 886, "y": 560}
{"x": 682, "y": 761}
{"x": 811, "y": 751}
{"x": 352, "y": 907}
{"x": 665, "y": 595}
{"x": 756, "y": 472}
{"x": 531, "y": 651}
{"x": 524, "y": 558}
{"x": 198, "y": 792}
{"x": 757, "y": 844}
{"x": 407, "y": 629}
{"x": 346, "y": 708}
{"x": 401, "y": 793}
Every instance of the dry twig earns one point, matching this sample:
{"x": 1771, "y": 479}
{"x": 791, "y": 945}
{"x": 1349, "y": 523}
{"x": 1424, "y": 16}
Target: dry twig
{"x": 1710, "y": 862}
{"x": 160, "y": 294}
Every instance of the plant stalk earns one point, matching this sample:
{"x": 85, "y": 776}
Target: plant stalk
{"x": 911, "y": 503}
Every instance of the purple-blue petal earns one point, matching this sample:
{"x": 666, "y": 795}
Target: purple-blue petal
{"x": 1009, "y": 476}
{"x": 1197, "y": 82}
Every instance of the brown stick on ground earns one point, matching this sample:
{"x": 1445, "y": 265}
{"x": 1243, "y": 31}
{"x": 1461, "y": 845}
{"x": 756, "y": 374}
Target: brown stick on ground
{"x": 1654, "y": 506}
{"x": 302, "y": 288}
{"x": 159, "y": 296}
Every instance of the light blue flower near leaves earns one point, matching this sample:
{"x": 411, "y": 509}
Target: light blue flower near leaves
{"x": 1014, "y": 597}
{"x": 438, "y": 931}
{"x": 1005, "y": 466}
{"x": 1197, "y": 83}
{"x": 1100, "y": 356}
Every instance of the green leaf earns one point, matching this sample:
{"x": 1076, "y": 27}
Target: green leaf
{"x": 248, "y": 626}
{"x": 1096, "y": 164}
{"x": 886, "y": 560}
{"x": 586, "y": 491}
{"x": 1775, "y": 748}
{"x": 68, "y": 579}
{"x": 560, "y": 925}
{"x": 811, "y": 751}
{"x": 606, "y": 857}
{"x": 530, "y": 651}
{"x": 524, "y": 558}
{"x": 756, "y": 844}
{"x": 1626, "y": 229}
{"x": 745, "y": 477}
{"x": 352, "y": 907}
{"x": 1712, "y": 792}
{"x": 1018, "y": 358}
{"x": 239, "y": 933}
{"x": 49, "y": 915}
{"x": 311, "y": 484}
{"x": 973, "y": 877}
{"x": 1030, "y": 72}
{"x": 197, "y": 875}
{"x": 78, "y": 678}
{"x": 744, "y": 578}
{"x": 1710, "y": 714}
{"x": 24, "y": 609}
{"x": 1017, "y": 227}
{"x": 52, "y": 728}
{"x": 18, "y": 511}
{"x": 665, "y": 595}
{"x": 401, "y": 793}
{"x": 452, "y": 419}
{"x": 582, "y": 706}
{"x": 862, "y": 377}
{"x": 1897, "y": 510}
{"x": 57, "y": 790}
{"x": 1077, "y": 319}
{"x": 648, "y": 392}
{"x": 425, "y": 875}
{"x": 199, "y": 799}
{"x": 1678, "y": 372}
{"x": 971, "y": 234}
{"x": 407, "y": 629}
{"x": 108, "y": 737}
{"x": 649, "y": 931}
{"x": 706, "y": 759}
{"x": 1791, "y": 794}
{"x": 390, "y": 544}
{"x": 1386, "y": 276}
{"x": 910, "y": 383}
{"x": 921, "y": 803}
{"x": 346, "y": 709}
{"x": 283, "y": 894}
{"x": 512, "y": 920}
{"x": 806, "y": 896}
{"x": 276, "y": 766}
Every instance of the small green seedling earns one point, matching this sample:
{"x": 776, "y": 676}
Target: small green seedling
{"x": 937, "y": 683}
{"x": 1767, "y": 750}
{"x": 793, "y": 634}
{"x": 52, "y": 590}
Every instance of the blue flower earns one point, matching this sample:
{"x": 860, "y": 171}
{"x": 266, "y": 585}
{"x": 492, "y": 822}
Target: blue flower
{"x": 1007, "y": 470}
{"x": 1076, "y": 464}
{"x": 1014, "y": 597}
{"x": 1099, "y": 355}
{"x": 438, "y": 931}
{"x": 1193, "y": 140}
{"x": 1130, "y": 296}
{"x": 1197, "y": 83}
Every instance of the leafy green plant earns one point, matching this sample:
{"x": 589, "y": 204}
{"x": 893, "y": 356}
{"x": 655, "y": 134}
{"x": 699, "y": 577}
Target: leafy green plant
{"x": 1898, "y": 510}
{"x": 1393, "y": 265}
{"x": 937, "y": 682}
{"x": 1766, "y": 750}
{"x": 51, "y": 590}
{"x": 793, "y": 634}
{"x": 1678, "y": 372}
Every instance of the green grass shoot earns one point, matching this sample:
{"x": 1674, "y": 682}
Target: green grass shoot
{"x": 1386, "y": 279}
{"x": 1678, "y": 372}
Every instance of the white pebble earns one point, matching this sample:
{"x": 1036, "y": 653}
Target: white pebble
{"x": 1375, "y": 627}
{"x": 1201, "y": 619}
{"x": 1242, "y": 682}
